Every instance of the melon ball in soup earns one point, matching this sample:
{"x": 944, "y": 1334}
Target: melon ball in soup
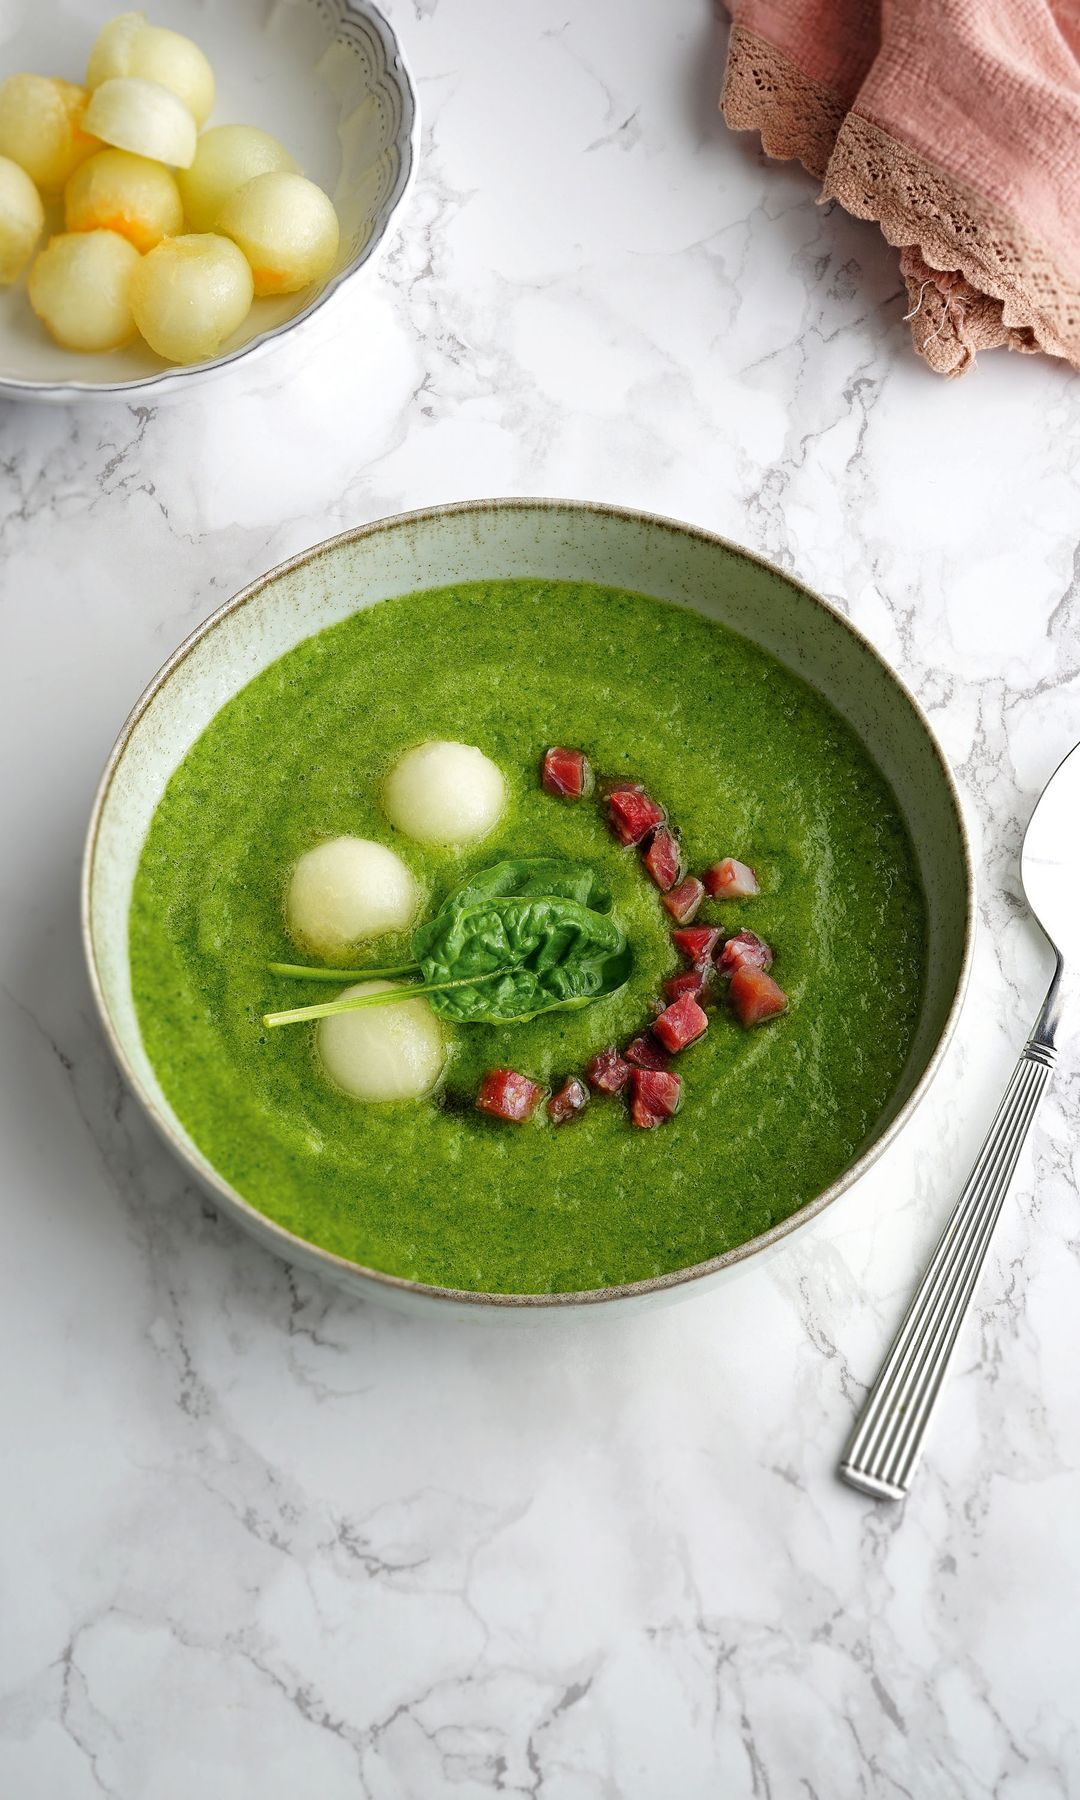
{"x": 42, "y": 128}
{"x": 445, "y": 793}
{"x": 227, "y": 158}
{"x": 80, "y": 288}
{"x": 394, "y": 1052}
{"x": 346, "y": 890}
{"x": 286, "y": 227}
{"x": 133, "y": 114}
{"x": 22, "y": 217}
{"x": 189, "y": 294}
{"x": 116, "y": 191}
{"x": 127, "y": 45}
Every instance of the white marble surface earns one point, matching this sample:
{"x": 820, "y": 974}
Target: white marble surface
{"x": 258, "y": 1539}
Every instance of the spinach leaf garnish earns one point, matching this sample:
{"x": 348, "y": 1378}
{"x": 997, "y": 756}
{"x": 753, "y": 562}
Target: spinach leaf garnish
{"x": 552, "y": 951}
{"x": 526, "y": 936}
{"x": 550, "y": 876}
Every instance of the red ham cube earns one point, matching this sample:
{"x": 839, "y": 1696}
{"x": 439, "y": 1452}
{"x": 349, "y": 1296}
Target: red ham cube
{"x": 566, "y": 773}
{"x": 682, "y": 903}
{"x": 731, "y": 880}
{"x": 744, "y": 951}
{"x": 756, "y": 997}
{"x": 681, "y": 1024}
{"x": 689, "y": 981}
{"x": 646, "y": 1052}
{"x": 654, "y": 1097}
{"x": 608, "y": 1072}
{"x": 662, "y": 859}
{"x": 697, "y": 943}
{"x": 631, "y": 814}
{"x": 571, "y": 1099}
{"x": 506, "y": 1095}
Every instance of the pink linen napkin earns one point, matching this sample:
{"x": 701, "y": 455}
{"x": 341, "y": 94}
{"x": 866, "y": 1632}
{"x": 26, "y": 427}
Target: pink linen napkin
{"x": 955, "y": 124}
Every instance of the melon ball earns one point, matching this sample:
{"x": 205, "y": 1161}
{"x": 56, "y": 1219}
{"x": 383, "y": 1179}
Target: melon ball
{"x": 382, "y": 1052}
{"x": 116, "y": 191}
{"x": 113, "y": 49}
{"x": 129, "y": 46}
{"x": 21, "y": 219}
{"x": 442, "y": 793}
{"x": 134, "y": 114}
{"x": 286, "y": 227}
{"x": 189, "y": 294}
{"x": 348, "y": 889}
{"x": 41, "y": 127}
{"x": 80, "y": 288}
{"x": 172, "y": 59}
{"x": 227, "y": 157}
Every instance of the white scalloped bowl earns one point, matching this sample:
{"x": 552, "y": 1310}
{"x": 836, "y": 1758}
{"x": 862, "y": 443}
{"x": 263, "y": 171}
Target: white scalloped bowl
{"x": 325, "y": 76}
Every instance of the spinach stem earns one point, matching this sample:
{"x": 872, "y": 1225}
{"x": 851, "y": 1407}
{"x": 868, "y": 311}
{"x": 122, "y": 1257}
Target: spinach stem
{"x": 414, "y": 992}
{"x": 300, "y": 972}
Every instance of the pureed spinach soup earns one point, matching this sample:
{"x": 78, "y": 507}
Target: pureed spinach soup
{"x": 747, "y": 761}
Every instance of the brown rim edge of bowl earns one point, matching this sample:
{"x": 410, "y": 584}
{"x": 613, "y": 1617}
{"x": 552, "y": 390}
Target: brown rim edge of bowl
{"x": 287, "y": 1243}
{"x": 173, "y": 376}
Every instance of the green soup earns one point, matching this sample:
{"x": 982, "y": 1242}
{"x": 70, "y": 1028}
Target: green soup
{"x": 748, "y": 760}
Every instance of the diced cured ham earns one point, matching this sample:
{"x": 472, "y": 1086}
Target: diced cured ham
{"x": 697, "y": 943}
{"x": 654, "y": 1097}
{"x": 571, "y": 1099}
{"x": 756, "y": 997}
{"x": 566, "y": 773}
{"x": 731, "y": 880}
{"x": 744, "y": 951}
{"x": 687, "y": 981}
{"x": 631, "y": 814}
{"x": 646, "y": 1052}
{"x": 682, "y": 902}
{"x": 608, "y": 1072}
{"x": 681, "y": 1024}
{"x": 662, "y": 858}
{"x": 506, "y": 1095}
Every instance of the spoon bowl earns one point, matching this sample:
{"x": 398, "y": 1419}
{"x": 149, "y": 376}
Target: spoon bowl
{"x": 1050, "y": 859}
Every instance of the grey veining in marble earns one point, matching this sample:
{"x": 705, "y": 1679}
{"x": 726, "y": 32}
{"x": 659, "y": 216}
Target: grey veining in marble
{"x": 261, "y": 1539}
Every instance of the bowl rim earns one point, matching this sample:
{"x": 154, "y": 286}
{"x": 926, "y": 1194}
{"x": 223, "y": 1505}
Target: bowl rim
{"x": 172, "y": 376}
{"x": 294, "y": 1248}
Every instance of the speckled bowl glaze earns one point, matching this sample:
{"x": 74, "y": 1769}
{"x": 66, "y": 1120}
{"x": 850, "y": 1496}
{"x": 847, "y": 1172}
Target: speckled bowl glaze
{"x": 544, "y": 539}
{"x": 327, "y": 77}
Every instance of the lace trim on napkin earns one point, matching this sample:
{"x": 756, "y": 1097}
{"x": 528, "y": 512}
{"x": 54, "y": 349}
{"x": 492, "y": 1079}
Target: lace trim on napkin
{"x": 975, "y": 278}
{"x": 796, "y": 116}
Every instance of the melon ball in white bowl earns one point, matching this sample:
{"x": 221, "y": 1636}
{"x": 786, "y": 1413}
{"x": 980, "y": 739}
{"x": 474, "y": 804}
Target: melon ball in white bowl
{"x": 189, "y": 294}
{"x": 43, "y": 128}
{"x": 227, "y": 157}
{"x": 347, "y": 890}
{"x": 117, "y": 191}
{"x": 383, "y": 1053}
{"x": 113, "y": 47}
{"x": 286, "y": 227}
{"x": 445, "y": 793}
{"x": 22, "y": 219}
{"x": 80, "y": 288}
{"x": 127, "y": 45}
{"x": 131, "y": 113}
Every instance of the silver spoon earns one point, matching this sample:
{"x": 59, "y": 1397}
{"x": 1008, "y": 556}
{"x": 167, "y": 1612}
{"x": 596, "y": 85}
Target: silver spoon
{"x": 888, "y": 1440}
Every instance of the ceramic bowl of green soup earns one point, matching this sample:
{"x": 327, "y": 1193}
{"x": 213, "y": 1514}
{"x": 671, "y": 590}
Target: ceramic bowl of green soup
{"x": 526, "y": 904}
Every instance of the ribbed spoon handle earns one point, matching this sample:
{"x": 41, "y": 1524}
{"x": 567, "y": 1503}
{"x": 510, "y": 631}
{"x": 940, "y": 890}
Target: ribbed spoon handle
{"x": 887, "y": 1443}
